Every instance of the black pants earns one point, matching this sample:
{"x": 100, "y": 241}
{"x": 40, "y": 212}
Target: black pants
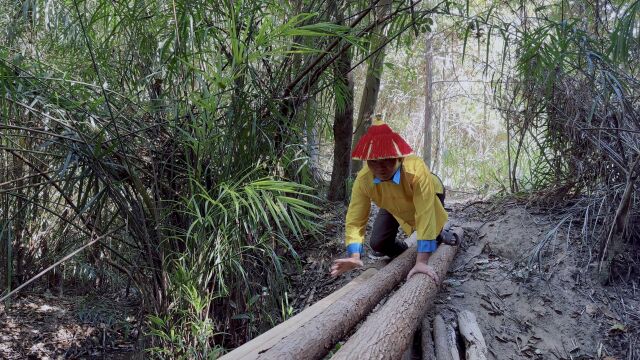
{"x": 385, "y": 230}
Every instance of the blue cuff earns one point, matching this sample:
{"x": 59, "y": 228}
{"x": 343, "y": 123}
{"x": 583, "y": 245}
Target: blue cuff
{"x": 427, "y": 246}
{"x": 354, "y": 248}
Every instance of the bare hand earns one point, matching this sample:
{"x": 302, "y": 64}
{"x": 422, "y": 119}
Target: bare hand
{"x": 343, "y": 265}
{"x": 423, "y": 268}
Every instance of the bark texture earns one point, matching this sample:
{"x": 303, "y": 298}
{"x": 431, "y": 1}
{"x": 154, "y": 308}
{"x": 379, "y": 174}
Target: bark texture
{"x": 475, "y": 347}
{"x": 317, "y": 336}
{"x": 387, "y": 333}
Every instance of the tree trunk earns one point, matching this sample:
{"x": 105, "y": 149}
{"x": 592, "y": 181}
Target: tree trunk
{"x": 610, "y": 247}
{"x": 440, "y": 118}
{"x": 428, "y": 103}
{"x": 436, "y": 138}
{"x": 342, "y": 124}
{"x": 444, "y": 116}
{"x": 485, "y": 117}
{"x": 313, "y": 140}
{"x": 372, "y": 83}
{"x": 475, "y": 347}
{"x": 317, "y": 337}
{"x": 387, "y": 333}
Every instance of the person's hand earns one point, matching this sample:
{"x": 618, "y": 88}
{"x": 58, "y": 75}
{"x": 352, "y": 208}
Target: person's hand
{"x": 343, "y": 265}
{"x": 423, "y": 268}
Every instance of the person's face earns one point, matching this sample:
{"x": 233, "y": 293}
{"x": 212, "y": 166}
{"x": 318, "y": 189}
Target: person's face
{"x": 383, "y": 169}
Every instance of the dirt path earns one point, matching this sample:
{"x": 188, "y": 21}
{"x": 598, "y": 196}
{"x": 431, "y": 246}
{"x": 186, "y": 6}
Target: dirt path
{"x": 561, "y": 312}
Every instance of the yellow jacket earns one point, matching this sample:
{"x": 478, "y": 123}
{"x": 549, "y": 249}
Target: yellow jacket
{"x": 412, "y": 202}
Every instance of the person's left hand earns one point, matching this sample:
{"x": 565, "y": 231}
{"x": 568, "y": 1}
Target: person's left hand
{"x": 423, "y": 268}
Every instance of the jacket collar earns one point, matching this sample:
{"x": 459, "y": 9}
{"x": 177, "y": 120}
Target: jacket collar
{"x": 394, "y": 179}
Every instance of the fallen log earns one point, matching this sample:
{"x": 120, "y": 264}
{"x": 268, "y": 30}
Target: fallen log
{"x": 316, "y": 337}
{"x": 444, "y": 337}
{"x": 387, "y": 333}
{"x": 475, "y": 347}
{"x": 428, "y": 347}
{"x": 251, "y": 349}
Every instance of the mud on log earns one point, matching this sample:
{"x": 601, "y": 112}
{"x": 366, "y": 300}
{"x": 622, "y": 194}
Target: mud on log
{"x": 316, "y": 337}
{"x": 387, "y": 333}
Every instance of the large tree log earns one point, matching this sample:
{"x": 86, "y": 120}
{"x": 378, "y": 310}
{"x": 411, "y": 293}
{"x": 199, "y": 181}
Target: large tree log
{"x": 317, "y": 336}
{"x": 388, "y": 332}
{"x": 475, "y": 347}
{"x": 445, "y": 339}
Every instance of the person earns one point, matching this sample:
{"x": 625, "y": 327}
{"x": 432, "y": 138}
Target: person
{"x": 408, "y": 195}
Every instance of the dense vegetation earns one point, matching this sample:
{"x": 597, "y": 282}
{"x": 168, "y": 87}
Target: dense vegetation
{"x": 171, "y": 148}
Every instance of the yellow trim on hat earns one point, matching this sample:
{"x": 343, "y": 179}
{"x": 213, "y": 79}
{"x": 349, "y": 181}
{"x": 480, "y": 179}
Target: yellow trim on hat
{"x": 376, "y": 120}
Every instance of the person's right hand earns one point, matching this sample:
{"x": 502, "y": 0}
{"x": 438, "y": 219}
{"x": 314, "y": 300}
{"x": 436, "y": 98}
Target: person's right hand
{"x": 343, "y": 265}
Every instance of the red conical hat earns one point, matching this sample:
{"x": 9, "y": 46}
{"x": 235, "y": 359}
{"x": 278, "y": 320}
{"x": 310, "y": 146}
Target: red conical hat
{"x": 380, "y": 142}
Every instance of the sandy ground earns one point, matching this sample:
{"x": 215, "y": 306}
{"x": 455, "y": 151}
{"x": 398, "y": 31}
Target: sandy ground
{"x": 551, "y": 307}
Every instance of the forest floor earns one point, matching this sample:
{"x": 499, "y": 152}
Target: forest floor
{"x": 68, "y": 326}
{"x": 560, "y": 312}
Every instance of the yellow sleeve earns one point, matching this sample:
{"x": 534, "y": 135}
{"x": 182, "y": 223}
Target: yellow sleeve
{"x": 437, "y": 183}
{"x": 357, "y": 217}
{"x": 423, "y": 199}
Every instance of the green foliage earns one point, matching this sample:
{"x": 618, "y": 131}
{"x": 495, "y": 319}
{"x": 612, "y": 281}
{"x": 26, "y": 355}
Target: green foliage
{"x": 573, "y": 64}
{"x": 186, "y": 330}
{"x": 178, "y": 131}
{"x": 624, "y": 37}
{"x": 571, "y": 105}
{"x": 161, "y": 124}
